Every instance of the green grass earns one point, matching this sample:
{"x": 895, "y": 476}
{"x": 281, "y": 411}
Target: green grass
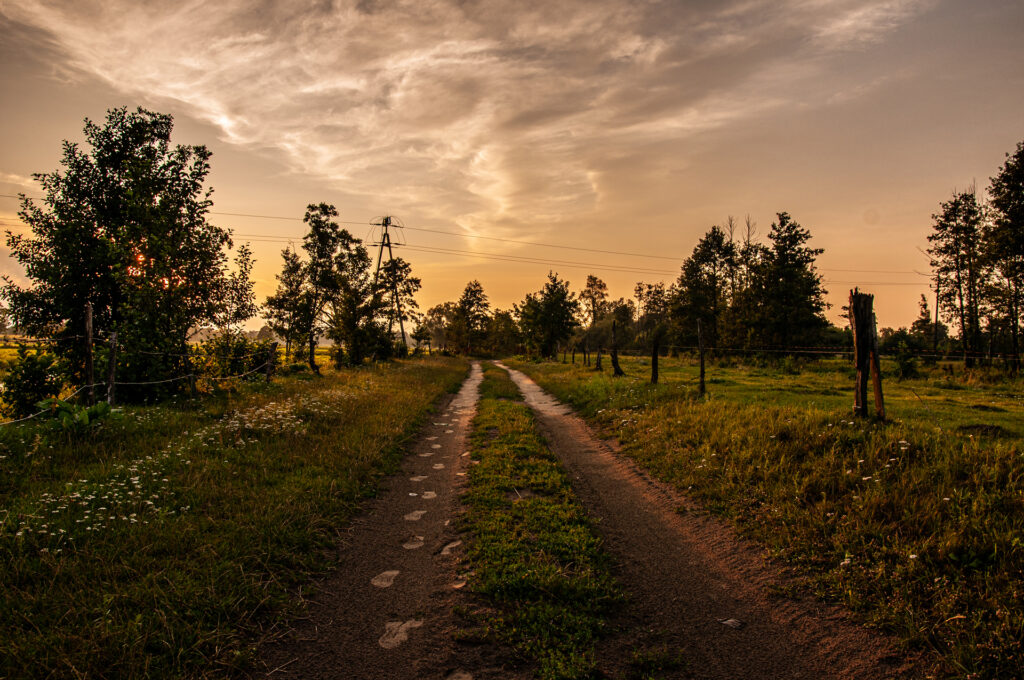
{"x": 169, "y": 542}
{"x": 918, "y": 528}
{"x": 537, "y": 561}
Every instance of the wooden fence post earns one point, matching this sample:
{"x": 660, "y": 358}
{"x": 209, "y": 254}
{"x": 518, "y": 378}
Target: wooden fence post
{"x": 655, "y": 347}
{"x": 112, "y": 367}
{"x": 876, "y": 371}
{"x": 616, "y": 369}
{"x": 700, "y": 349}
{"x": 865, "y": 352}
{"x": 90, "y": 374}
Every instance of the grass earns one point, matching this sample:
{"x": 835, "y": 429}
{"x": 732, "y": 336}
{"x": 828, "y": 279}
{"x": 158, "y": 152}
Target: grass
{"x": 169, "y": 542}
{"x": 917, "y": 527}
{"x": 537, "y": 560}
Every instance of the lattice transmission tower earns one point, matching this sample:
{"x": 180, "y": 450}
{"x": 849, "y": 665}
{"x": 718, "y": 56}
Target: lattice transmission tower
{"x": 386, "y": 223}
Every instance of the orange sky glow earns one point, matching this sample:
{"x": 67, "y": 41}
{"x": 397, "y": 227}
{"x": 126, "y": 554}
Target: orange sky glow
{"x": 512, "y": 139}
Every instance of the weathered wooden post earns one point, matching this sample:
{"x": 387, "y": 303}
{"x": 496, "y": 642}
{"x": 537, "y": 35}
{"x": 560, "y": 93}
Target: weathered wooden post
{"x": 616, "y": 369}
{"x": 655, "y": 351}
{"x": 89, "y": 369}
{"x": 700, "y": 350}
{"x": 112, "y": 367}
{"x": 865, "y": 352}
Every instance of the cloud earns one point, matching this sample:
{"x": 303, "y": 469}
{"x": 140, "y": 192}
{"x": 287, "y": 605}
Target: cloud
{"x": 496, "y": 114}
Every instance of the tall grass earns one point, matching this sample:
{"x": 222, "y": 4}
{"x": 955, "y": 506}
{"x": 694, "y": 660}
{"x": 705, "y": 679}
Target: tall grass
{"x": 169, "y": 542}
{"x": 919, "y": 530}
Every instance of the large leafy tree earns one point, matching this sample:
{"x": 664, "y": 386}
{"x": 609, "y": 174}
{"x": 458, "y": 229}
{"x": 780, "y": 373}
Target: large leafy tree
{"x": 397, "y": 288}
{"x": 123, "y": 226}
{"x": 959, "y": 267}
{"x": 594, "y": 299}
{"x": 547, "y": 318}
{"x": 702, "y": 290}
{"x": 354, "y": 308}
{"x": 1005, "y": 241}
{"x": 789, "y": 288}
{"x": 472, "y": 312}
{"x": 284, "y": 309}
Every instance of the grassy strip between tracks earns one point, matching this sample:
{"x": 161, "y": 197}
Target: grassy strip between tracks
{"x": 166, "y": 543}
{"x": 919, "y": 530}
{"x": 537, "y": 561}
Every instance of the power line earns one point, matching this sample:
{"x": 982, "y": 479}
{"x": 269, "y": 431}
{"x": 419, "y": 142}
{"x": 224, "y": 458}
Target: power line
{"x": 269, "y": 238}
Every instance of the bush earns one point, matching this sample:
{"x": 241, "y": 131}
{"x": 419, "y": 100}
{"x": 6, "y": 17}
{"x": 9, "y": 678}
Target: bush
{"x": 906, "y": 364}
{"x": 34, "y": 377}
{"x": 231, "y": 354}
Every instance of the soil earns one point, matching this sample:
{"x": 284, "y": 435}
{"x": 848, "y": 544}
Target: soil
{"x": 694, "y": 586}
{"x": 387, "y": 611}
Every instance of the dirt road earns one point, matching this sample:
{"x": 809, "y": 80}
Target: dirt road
{"x": 386, "y": 612}
{"x": 693, "y": 585}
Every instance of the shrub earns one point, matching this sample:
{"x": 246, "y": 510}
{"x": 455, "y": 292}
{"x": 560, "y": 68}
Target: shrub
{"x": 33, "y": 378}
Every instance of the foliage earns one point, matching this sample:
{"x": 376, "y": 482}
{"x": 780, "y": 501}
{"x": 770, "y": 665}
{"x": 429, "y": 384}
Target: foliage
{"x": 32, "y": 378}
{"x": 470, "y": 322}
{"x": 75, "y": 420}
{"x": 959, "y": 267}
{"x": 228, "y": 354}
{"x": 1005, "y": 244}
{"x": 547, "y": 318}
{"x": 123, "y": 227}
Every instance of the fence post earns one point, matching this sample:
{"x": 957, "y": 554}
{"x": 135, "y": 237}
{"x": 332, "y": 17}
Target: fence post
{"x": 700, "y": 349}
{"x": 90, "y": 375}
{"x": 876, "y": 371}
{"x": 111, "y": 367}
{"x": 271, "y": 355}
{"x": 655, "y": 347}
{"x": 865, "y": 351}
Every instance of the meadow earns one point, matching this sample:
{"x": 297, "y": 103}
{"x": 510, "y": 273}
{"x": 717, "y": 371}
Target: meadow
{"x": 170, "y": 540}
{"x": 916, "y": 524}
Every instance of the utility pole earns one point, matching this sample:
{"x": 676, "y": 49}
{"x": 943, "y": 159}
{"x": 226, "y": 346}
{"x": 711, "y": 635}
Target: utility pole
{"x": 385, "y": 242}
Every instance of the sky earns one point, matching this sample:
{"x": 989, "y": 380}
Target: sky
{"x": 512, "y": 138}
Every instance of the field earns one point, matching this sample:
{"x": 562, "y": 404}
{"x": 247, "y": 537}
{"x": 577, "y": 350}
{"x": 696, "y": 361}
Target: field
{"x": 171, "y": 539}
{"x": 915, "y": 524}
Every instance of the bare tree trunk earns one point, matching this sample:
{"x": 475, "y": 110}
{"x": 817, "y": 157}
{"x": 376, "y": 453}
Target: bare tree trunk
{"x": 597, "y": 366}
{"x": 312, "y": 354}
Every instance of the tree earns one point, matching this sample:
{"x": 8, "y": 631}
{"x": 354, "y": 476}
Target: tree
{"x": 472, "y": 313}
{"x": 355, "y": 306}
{"x": 1005, "y": 243}
{"x": 124, "y": 227}
{"x": 702, "y": 289}
{"x": 790, "y": 289}
{"x": 959, "y": 268}
{"x": 320, "y": 276}
{"x": 285, "y": 307}
{"x": 397, "y": 288}
{"x": 593, "y": 299}
{"x": 547, "y": 318}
